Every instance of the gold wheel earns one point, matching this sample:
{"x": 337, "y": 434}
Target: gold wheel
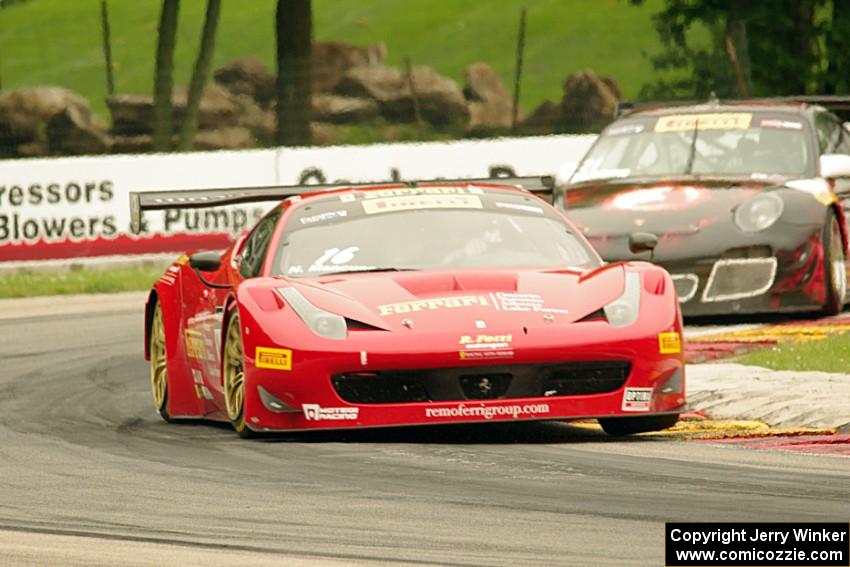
{"x": 158, "y": 358}
{"x": 234, "y": 374}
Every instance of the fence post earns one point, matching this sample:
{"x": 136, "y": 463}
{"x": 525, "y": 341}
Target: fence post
{"x": 107, "y": 47}
{"x": 520, "y": 48}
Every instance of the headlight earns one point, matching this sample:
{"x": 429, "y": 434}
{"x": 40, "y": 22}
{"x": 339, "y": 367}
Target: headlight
{"x": 624, "y": 310}
{"x": 323, "y": 323}
{"x": 759, "y": 213}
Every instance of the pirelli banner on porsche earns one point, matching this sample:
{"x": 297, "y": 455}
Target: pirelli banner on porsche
{"x": 78, "y": 207}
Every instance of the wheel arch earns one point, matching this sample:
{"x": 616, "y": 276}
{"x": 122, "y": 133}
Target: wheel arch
{"x": 842, "y": 224}
{"x": 150, "y": 305}
{"x": 230, "y": 304}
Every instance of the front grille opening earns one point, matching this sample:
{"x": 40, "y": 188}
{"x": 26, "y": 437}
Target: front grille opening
{"x": 485, "y": 386}
{"x": 758, "y": 251}
{"x": 686, "y": 286}
{"x": 739, "y": 279}
{"x": 584, "y": 378}
{"x": 481, "y": 383}
{"x": 379, "y": 389}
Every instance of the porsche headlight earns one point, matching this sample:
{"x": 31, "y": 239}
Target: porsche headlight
{"x": 321, "y": 322}
{"x": 623, "y": 311}
{"x": 759, "y": 213}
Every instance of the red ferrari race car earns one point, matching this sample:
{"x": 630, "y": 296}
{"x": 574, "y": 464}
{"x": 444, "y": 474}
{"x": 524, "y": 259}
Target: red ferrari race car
{"x": 409, "y": 304}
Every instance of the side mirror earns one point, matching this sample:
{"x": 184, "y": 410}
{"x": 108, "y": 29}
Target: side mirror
{"x": 208, "y": 261}
{"x": 642, "y": 242}
{"x": 834, "y": 165}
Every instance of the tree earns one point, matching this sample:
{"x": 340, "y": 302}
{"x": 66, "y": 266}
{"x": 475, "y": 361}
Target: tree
{"x": 838, "y": 68}
{"x": 163, "y": 111}
{"x": 203, "y": 64}
{"x": 782, "y": 47}
{"x": 294, "y": 29}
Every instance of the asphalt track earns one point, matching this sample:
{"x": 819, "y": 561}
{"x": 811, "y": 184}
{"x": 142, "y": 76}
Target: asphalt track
{"x": 89, "y": 475}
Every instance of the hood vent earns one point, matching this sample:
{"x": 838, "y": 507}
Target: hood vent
{"x": 354, "y": 325}
{"x": 598, "y": 315}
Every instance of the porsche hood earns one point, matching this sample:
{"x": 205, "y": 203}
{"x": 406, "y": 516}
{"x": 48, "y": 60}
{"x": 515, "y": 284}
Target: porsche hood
{"x": 607, "y": 212}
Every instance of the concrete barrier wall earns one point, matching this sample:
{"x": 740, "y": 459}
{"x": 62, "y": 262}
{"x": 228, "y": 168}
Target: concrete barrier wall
{"x": 79, "y": 207}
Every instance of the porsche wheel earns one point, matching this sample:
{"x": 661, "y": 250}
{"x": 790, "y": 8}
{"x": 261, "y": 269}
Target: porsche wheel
{"x": 159, "y": 367}
{"x": 233, "y": 370}
{"x": 619, "y": 426}
{"x": 834, "y": 268}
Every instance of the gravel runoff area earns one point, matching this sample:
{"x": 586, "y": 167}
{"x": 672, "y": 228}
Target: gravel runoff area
{"x": 722, "y": 390}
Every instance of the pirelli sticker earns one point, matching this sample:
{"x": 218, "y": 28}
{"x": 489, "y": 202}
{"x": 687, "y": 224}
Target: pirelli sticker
{"x": 669, "y": 343}
{"x": 415, "y": 202}
{"x": 432, "y": 304}
{"x": 274, "y": 358}
{"x": 712, "y": 121}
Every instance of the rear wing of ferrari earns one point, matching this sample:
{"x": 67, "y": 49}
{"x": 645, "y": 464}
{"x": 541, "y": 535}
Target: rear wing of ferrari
{"x": 141, "y": 201}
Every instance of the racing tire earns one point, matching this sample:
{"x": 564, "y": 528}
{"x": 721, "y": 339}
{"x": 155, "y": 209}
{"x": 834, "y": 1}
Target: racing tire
{"x": 621, "y": 426}
{"x": 159, "y": 364}
{"x": 233, "y": 373}
{"x": 834, "y": 268}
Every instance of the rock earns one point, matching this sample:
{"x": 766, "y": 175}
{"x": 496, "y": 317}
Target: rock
{"x": 381, "y": 84}
{"x": 138, "y": 144}
{"x": 133, "y": 114}
{"x": 545, "y": 119}
{"x": 248, "y": 76}
{"x": 483, "y": 84}
{"x": 323, "y": 134}
{"x": 26, "y": 113}
{"x": 71, "y": 133}
{"x": 490, "y": 104}
{"x": 259, "y": 121}
{"x": 228, "y": 138}
{"x": 342, "y": 109}
{"x": 440, "y": 100}
{"x": 32, "y": 150}
{"x": 332, "y": 60}
{"x": 589, "y": 102}
{"x": 218, "y": 107}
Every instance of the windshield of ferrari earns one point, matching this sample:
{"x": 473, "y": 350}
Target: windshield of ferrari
{"x": 426, "y": 228}
{"x": 748, "y": 144}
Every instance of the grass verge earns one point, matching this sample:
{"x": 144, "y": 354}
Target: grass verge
{"x": 31, "y": 284}
{"x": 828, "y": 355}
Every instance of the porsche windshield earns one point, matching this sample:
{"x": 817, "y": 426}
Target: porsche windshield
{"x": 443, "y": 232}
{"x": 748, "y": 144}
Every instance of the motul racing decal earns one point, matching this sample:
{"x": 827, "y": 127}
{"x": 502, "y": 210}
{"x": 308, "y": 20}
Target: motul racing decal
{"x": 315, "y": 412}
